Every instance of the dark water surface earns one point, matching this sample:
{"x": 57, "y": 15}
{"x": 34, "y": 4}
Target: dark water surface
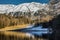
{"x": 38, "y": 31}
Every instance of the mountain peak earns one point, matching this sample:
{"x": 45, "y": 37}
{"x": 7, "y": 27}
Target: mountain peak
{"x": 24, "y": 7}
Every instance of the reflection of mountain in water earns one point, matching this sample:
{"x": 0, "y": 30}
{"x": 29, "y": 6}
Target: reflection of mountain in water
{"x": 37, "y": 31}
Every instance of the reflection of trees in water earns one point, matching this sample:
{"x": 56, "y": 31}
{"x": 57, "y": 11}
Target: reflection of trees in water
{"x": 11, "y": 37}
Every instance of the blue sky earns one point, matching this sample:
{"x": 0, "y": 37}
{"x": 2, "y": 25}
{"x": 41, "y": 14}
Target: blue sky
{"x": 21, "y": 1}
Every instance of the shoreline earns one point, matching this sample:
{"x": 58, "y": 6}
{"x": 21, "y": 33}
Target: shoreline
{"x": 14, "y": 27}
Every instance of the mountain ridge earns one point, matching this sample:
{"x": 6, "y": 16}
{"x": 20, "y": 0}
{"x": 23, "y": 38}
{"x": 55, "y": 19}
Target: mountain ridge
{"x": 33, "y": 6}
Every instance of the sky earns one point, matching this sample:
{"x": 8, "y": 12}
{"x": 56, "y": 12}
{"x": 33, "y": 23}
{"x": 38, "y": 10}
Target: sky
{"x": 21, "y": 1}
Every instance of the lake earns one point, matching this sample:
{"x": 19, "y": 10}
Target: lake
{"x": 36, "y": 31}
{"x": 30, "y": 33}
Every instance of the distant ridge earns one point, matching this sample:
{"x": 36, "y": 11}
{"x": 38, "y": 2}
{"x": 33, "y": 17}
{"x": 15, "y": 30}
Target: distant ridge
{"x": 24, "y": 7}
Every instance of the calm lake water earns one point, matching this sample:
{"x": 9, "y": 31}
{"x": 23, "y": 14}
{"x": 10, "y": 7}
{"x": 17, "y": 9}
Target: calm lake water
{"x": 30, "y": 33}
{"x": 38, "y": 31}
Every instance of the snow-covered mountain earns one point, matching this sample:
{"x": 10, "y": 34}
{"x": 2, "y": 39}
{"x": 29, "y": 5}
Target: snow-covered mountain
{"x": 24, "y": 7}
{"x": 5, "y": 8}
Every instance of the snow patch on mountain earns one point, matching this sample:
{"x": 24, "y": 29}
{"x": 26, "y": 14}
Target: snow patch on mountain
{"x": 24, "y": 7}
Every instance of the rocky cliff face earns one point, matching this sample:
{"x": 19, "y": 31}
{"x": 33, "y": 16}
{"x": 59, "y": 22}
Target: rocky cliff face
{"x": 55, "y": 6}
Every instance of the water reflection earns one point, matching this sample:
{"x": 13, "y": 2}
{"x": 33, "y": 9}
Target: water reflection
{"x": 38, "y": 31}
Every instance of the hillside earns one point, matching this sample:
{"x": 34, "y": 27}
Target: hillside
{"x": 26, "y": 13}
{"x": 6, "y": 20}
